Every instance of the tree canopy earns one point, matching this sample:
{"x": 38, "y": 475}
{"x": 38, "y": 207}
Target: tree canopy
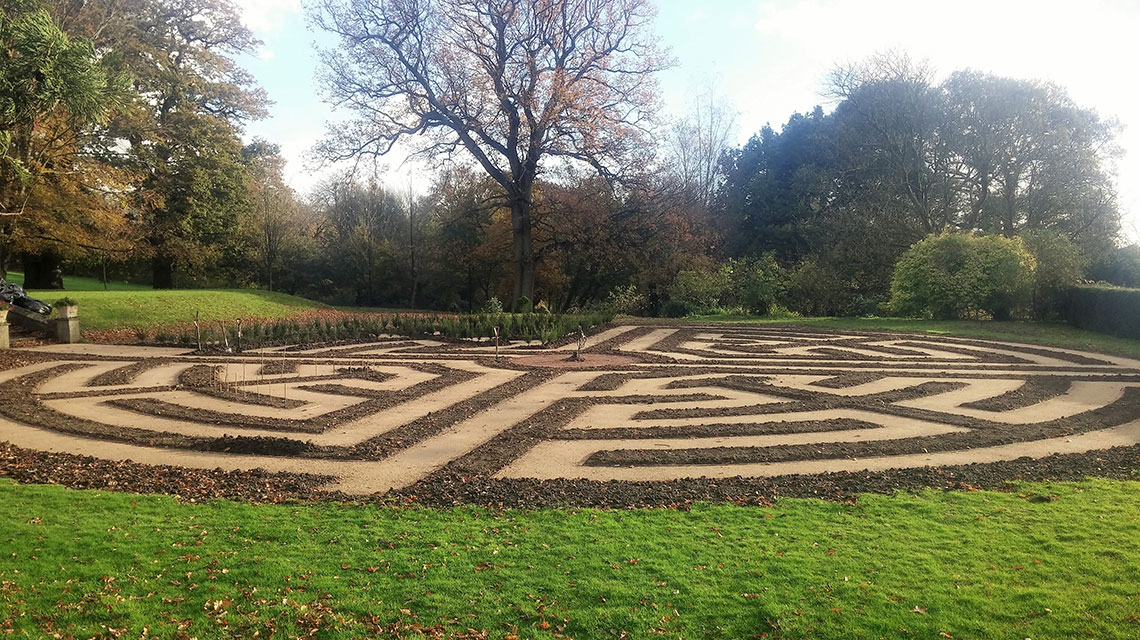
{"x": 510, "y": 82}
{"x": 553, "y": 177}
{"x": 53, "y": 87}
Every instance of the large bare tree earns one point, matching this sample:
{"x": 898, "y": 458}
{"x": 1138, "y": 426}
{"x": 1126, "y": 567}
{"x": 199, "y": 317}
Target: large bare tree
{"x": 511, "y": 82}
{"x": 698, "y": 142}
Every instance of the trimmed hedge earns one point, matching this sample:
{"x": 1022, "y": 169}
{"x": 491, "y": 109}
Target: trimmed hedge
{"x": 1111, "y": 310}
{"x": 548, "y": 328}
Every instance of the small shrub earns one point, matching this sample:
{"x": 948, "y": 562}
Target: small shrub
{"x": 778, "y": 311}
{"x": 493, "y": 305}
{"x": 627, "y": 301}
{"x": 1003, "y": 283}
{"x": 551, "y": 334}
{"x": 957, "y": 275}
{"x": 756, "y": 284}
{"x": 1059, "y": 268}
{"x": 816, "y": 290}
{"x": 701, "y": 291}
{"x": 676, "y": 309}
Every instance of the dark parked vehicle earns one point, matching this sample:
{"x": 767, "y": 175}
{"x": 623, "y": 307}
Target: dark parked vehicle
{"x": 15, "y": 295}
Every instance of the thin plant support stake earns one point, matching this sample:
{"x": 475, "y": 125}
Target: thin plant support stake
{"x": 225, "y": 338}
{"x": 198, "y": 331}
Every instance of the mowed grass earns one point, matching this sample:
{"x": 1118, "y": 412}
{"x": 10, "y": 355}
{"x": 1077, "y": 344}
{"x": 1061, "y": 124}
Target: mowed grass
{"x": 1045, "y": 561}
{"x": 134, "y": 306}
{"x": 78, "y": 283}
{"x": 1054, "y": 335}
{"x": 148, "y": 309}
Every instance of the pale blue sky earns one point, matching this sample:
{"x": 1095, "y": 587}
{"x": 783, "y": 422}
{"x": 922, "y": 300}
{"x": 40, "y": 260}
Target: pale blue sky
{"x": 768, "y": 58}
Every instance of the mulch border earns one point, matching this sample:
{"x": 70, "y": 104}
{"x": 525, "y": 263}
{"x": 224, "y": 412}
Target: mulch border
{"x": 27, "y": 466}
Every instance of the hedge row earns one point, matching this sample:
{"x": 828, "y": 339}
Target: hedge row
{"x": 1106, "y": 309}
{"x": 546, "y": 327}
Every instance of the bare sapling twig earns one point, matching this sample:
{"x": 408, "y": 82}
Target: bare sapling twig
{"x": 198, "y": 331}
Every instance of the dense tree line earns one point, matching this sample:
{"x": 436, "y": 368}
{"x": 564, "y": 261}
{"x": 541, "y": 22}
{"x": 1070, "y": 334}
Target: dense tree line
{"x": 901, "y": 157}
{"x": 122, "y": 155}
{"x": 127, "y": 118}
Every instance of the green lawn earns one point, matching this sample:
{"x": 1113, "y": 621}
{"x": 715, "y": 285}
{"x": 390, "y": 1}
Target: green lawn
{"x": 134, "y": 306}
{"x": 79, "y": 283}
{"x": 149, "y": 308}
{"x": 1055, "y": 335}
{"x": 1056, "y": 561}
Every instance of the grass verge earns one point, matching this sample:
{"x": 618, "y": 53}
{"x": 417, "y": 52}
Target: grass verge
{"x": 79, "y": 283}
{"x": 1043, "y": 561}
{"x": 1054, "y": 335}
{"x": 102, "y": 310}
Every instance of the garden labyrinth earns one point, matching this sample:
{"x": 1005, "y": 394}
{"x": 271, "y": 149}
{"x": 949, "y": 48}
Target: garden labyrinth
{"x": 647, "y": 403}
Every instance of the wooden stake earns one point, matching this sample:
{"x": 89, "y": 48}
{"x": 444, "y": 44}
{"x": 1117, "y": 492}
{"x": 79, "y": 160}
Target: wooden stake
{"x": 225, "y": 338}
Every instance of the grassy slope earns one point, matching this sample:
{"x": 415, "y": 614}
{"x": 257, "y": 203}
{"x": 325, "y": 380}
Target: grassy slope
{"x": 969, "y": 565}
{"x": 1056, "y": 335}
{"x": 129, "y": 306}
{"x": 130, "y": 309}
{"x": 77, "y": 283}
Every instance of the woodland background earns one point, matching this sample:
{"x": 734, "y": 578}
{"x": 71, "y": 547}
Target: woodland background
{"x": 122, "y": 157}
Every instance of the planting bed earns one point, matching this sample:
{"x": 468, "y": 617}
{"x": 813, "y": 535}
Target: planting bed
{"x": 649, "y": 415}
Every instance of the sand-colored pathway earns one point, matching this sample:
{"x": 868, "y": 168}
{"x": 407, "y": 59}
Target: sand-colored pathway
{"x": 683, "y": 401}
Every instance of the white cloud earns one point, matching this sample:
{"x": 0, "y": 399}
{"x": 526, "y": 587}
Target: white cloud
{"x": 264, "y": 16}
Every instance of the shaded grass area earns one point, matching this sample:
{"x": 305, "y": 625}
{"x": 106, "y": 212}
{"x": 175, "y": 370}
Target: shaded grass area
{"x": 79, "y": 283}
{"x": 1044, "y": 561}
{"x": 1054, "y": 335}
{"x": 101, "y": 310}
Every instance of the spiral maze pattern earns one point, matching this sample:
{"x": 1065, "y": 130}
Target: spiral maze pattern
{"x": 647, "y": 403}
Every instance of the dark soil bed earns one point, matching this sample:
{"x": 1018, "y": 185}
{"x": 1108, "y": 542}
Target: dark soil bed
{"x": 446, "y": 377}
{"x": 194, "y": 485}
{"x": 449, "y": 489}
{"x": 1036, "y": 389}
{"x": 126, "y": 374}
{"x": 14, "y": 359}
{"x": 850, "y": 380}
{"x": 84, "y": 472}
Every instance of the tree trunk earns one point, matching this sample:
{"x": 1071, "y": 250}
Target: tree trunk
{"x": 5, "y": 255}
{"x": 524, "y": 251}
{"x": 412, "y": 251}
{"x": 1009, "y": 223}
{"x": 979, "y": 204}
{"x": 43, "y": 270}
{"x": 162, "y": 268}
